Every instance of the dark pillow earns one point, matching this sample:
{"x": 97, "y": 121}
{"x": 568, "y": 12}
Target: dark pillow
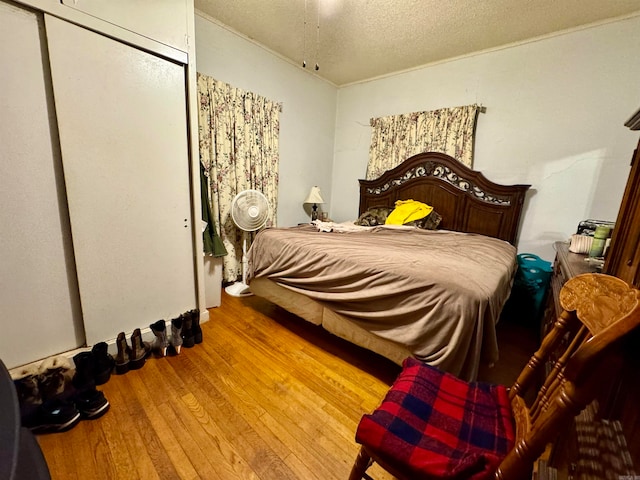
{"x": 374, "y": 217}
{"x": 430, "y": 222}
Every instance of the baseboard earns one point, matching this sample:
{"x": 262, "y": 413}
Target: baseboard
{"x": 147, "y": 336}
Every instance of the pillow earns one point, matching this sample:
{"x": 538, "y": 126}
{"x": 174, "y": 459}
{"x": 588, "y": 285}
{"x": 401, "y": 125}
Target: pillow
{"x": 430, "y": 222}
{"x": 374, "y": 217}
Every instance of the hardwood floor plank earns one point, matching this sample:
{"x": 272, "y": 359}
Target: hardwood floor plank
{"x": 124, "y": 422}
{"x": 240, "y": 433}
{"x": 247, "y": 404}
{"x": 229, "y": 461}
{"x": 284, "y": 389}
{"x": 143, "y": 427}
{"x": 318, "y": 379}
{"x": 105, "y": 435}
{"x": 49, "y": 449}
{"x": 174, "y": 416}
{"x": 311, "y": 432}
{"x": 300, "y": 468}
{"x": 283, "y": 406}
{"x": 270, "y": 397}
{"x": 228, "y": 464}
{"x": 55, "y": 447}
{"x": 321, "y": 379}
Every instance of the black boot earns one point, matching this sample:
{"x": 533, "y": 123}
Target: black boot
{"x": 188, "y": 340}
{"x": 103, "y": 363}
{"x": 195, "y": 326}
{"x": 85, "y": 376}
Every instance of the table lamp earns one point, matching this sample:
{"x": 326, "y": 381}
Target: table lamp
{"x": 315, "y": 198}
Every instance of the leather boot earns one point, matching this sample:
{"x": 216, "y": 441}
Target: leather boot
{"x": 188, "y": 340}
{"x": 138, "y": 353}
{"x": 122, "y": 357}
{"x": 161, "y": 342}
{"x": 84, "y": 378}
{"x": 103, "y": 362}
{"x": 195, "y": 326}
{"x": 176, "y": 334}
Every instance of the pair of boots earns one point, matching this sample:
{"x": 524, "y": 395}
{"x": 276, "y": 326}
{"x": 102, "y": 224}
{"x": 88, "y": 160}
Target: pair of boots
{"x": 130, "y": 357}
{"x": 38, "y": 383}
{"x": 161, "y": 343}
{"x": 185, "y": 332}
{"x": 93, "y": 367}
{"x": 54, "y": 396}
{"x": 191, "y": 331}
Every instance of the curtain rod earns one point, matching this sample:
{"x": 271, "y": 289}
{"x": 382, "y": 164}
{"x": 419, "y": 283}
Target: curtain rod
{"x": 481, "y": 109}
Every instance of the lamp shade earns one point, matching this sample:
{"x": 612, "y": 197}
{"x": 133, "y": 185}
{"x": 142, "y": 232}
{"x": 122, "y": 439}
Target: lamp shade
{"x": 314, "y": 196}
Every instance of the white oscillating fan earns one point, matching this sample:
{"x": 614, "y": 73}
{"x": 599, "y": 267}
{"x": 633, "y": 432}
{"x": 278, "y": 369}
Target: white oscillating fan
{"x": 250, "y": 212}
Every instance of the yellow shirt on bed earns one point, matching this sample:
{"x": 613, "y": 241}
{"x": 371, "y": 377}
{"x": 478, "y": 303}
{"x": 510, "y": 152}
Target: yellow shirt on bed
{"x": 407, "y": 211}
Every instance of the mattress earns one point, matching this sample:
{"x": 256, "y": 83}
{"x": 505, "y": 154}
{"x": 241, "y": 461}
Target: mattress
{"x": 438, "y": 294}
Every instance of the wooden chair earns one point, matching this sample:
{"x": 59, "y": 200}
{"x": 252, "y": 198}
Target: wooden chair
{"x": 427, "y": 426}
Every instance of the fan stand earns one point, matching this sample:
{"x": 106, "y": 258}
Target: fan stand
{"x": 241, "y": 289}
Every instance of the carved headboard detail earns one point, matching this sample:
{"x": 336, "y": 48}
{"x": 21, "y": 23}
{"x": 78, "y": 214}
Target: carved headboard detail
{"x": 466, "y": 199}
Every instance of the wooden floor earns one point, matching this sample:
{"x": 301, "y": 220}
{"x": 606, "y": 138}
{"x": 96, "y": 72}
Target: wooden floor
{"x": 265, "y": 396}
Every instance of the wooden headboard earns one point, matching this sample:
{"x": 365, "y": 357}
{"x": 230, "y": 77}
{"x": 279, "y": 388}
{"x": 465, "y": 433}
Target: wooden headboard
{"x": 467, "y": 201}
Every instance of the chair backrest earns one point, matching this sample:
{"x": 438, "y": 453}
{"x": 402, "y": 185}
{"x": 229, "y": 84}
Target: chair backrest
{"x": 574, "y": 358}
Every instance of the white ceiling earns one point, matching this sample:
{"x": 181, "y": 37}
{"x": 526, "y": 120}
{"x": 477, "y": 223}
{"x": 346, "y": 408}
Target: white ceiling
{"x": 363, "y": 39}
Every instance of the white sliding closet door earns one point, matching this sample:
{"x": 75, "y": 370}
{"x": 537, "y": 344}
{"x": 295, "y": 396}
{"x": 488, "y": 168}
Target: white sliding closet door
{"x": 123, "y": 134}
{"x": 39, "y": 306}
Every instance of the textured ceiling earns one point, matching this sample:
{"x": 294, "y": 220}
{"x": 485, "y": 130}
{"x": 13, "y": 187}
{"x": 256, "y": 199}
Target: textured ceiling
{"x": 363, "y": 39}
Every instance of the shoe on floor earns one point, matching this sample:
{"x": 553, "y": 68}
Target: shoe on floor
{"x": 91, "y": 404}
{"x": 103, "y": 363}
{"x": 52, "y": 416}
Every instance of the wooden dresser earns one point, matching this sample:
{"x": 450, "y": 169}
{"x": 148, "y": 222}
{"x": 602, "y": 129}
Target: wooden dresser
{"x": 566, "y": 265}
{"x": 616, "y": 412}
{"x": 624, "y": 259}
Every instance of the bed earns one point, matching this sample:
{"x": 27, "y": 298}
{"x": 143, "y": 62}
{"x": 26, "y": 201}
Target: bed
{"x": 404, "y": 291}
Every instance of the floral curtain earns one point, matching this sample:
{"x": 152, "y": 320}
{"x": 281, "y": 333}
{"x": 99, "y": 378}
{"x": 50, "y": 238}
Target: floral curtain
{"x": 238, "y": 134}
{"x": 397, "y": 137}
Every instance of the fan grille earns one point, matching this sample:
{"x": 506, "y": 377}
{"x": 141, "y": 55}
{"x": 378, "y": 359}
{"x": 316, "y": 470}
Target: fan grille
{"x": 250, "y": 210}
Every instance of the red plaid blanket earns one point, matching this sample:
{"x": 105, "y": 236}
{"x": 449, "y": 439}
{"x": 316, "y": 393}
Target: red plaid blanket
{"x": 440, "y": 426}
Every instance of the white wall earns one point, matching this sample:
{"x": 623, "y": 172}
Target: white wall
{"x": 307, "y": 122}
{"x": 555, "y": 119}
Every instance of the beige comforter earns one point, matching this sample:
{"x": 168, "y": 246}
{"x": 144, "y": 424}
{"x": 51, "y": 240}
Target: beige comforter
{"x": 439, "y": 293}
